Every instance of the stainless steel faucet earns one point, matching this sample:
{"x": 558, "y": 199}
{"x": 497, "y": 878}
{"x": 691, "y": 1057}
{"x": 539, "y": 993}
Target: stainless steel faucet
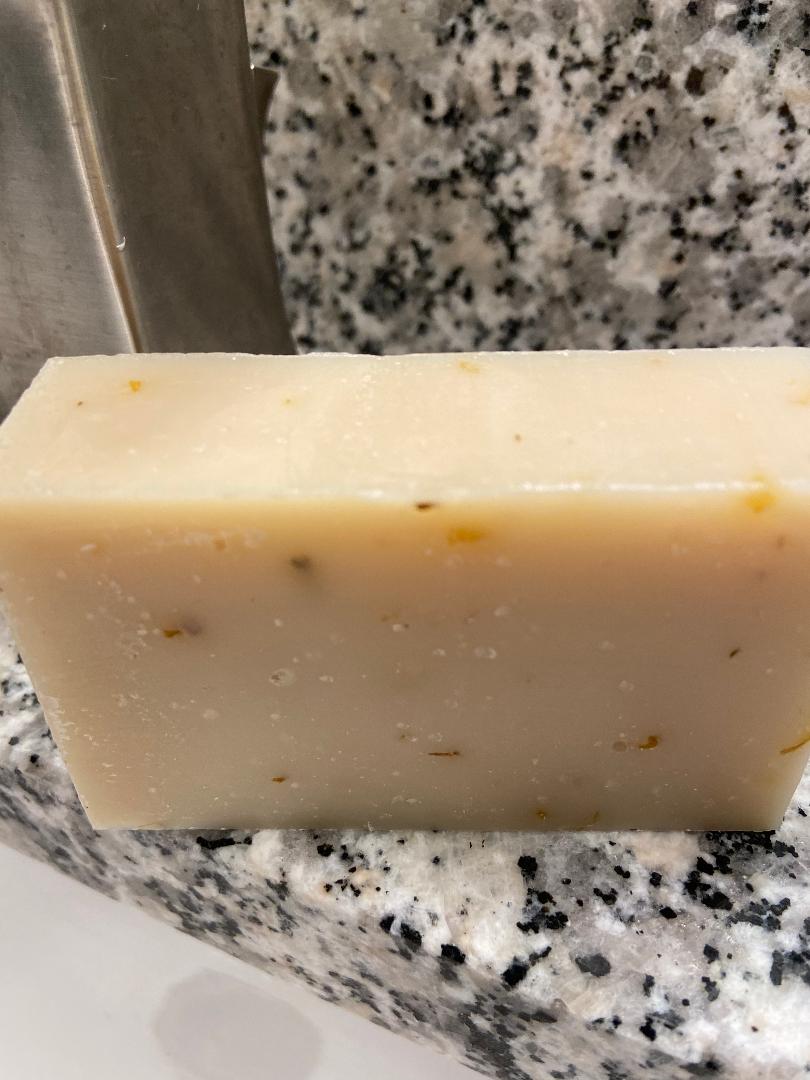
{"x": 133, "y": 210}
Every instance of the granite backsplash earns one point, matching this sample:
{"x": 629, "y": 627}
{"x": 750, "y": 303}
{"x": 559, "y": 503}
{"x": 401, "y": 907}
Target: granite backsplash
{"x": 504, "y": 174}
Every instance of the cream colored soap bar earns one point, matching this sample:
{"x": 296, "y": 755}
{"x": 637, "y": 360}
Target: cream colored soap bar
{"x": 509, "y": 591}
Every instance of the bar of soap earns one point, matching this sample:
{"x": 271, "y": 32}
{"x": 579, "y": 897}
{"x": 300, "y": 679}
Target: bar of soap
{"x": 496, "y": 591}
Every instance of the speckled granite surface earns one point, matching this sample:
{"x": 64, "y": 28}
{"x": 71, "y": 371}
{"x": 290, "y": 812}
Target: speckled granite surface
{"x": 456, "y": 174}
{"x": 508, "y": 173}
{"x": 599, "y": 956}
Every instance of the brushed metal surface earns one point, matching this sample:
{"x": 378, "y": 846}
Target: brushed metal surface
{"x": 133, "y": 211}
{"x": 57, "y": 290}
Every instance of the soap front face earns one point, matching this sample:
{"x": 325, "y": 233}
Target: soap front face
{"x": 409, "y": 609}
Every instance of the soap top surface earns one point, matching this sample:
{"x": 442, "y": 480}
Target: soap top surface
{"x": 471, "y": 425}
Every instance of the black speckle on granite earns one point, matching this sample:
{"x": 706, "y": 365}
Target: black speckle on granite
{"x": 596, "y": 964}
{"x": 710, "y": 1067}
{"x": 714, "y": 899}
{"x": 763, "y": 913}
{"x": 613, "y": 1071}
{"x": 538, "y": 1016}
{"x": 711, "y": 988}
{"x": 358, "y": 991}
{"x": 528, "y": 866}
{"x": 487, "y": 1050}
{"x": 794, "y": 963}
{"x": 647, "y": 1030}
{"x": 515, "y": 973}
{"x": 539, "y": 913}
{"x": 218, "y": 842}
{"x": 693, "y": 83}
{"x": 453, "y": 953}
{"x": 607, "y": 896}
{"x": 410, "y": 935}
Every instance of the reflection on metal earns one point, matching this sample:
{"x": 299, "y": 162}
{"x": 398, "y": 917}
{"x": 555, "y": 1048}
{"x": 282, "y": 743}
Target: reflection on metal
{"x": 133, "y": 212}
{"x": 264, "y": 83}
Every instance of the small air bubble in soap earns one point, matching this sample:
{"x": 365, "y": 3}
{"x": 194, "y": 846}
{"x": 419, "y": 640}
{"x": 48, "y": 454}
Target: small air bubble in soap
{"x": 485, "y": 652}
{"x": 502, "y": 611}
{"x": 211, "y": 714}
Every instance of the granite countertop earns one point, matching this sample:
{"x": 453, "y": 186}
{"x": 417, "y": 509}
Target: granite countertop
{"x": 489, "y": 174}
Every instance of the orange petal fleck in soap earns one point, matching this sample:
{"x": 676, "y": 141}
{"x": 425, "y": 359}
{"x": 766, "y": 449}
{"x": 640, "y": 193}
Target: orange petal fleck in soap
{"x": 762, "y": 497}
{"x": 465, "y": 534}
{"x": 135, "y": 385}
{"x": 803, "y": 741}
